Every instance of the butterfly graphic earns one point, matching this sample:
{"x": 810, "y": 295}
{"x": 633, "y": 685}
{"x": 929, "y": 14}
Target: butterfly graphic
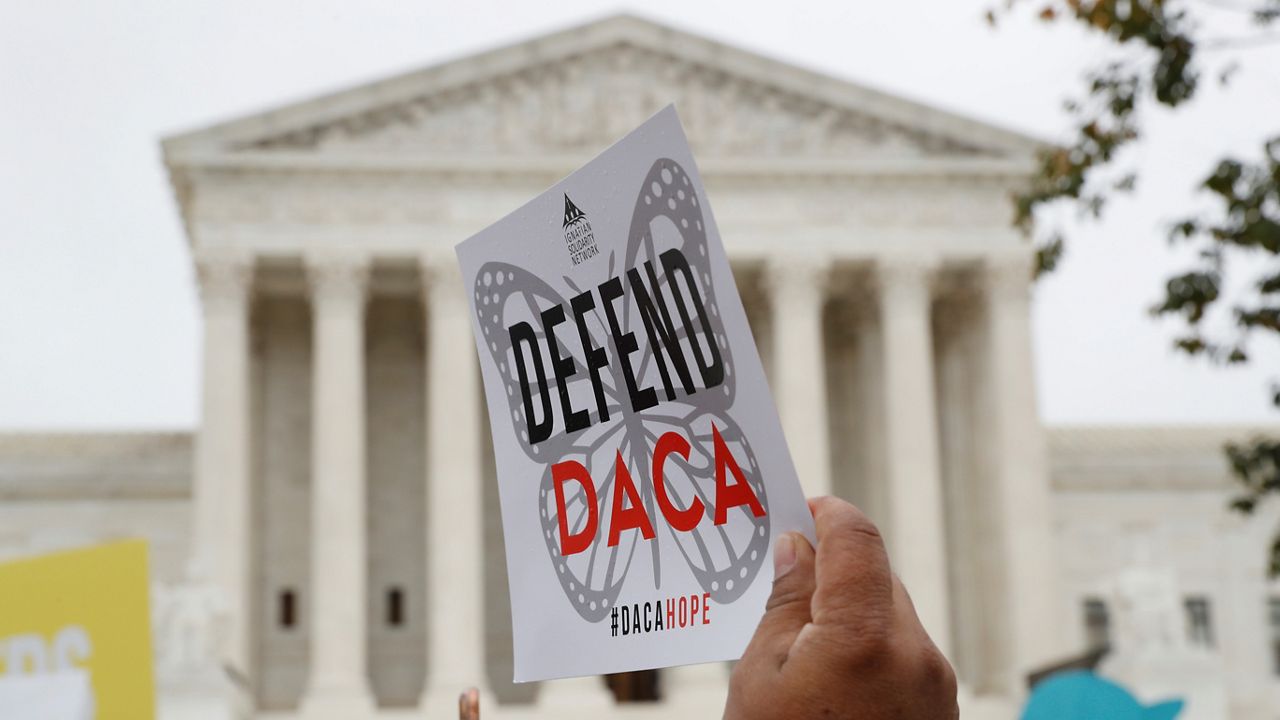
{"x": 724, "y": 559}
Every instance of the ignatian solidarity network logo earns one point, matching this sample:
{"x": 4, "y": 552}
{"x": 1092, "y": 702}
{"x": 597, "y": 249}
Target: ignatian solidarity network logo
{"x": 578, "y": 236}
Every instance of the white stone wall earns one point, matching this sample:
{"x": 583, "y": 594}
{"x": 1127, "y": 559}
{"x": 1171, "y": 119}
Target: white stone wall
{"x": 33, "y": 527}
{"x": 61, "y": 491}
{"x": 1157, "y": 499}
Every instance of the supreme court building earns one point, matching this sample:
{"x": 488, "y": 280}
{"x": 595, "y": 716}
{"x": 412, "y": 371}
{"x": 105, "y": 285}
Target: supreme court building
{"x": 310, "y": 561}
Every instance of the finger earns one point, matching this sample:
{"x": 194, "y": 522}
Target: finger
{"x": 469, "y": 704}
{"x": 906, "y": 617}
{"x": 932, "y": 666}
{"x": 813, "y": 503}
{"x": 787, "y": 610}
{"x": 854, "y": 581}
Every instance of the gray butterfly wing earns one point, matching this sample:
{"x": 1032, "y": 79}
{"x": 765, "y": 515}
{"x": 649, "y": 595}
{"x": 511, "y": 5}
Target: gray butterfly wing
{"x": 593, "y": 578}
{"x": 723, "y": 558}
{"x": 667, "y": 215}
{"x": 504, "y": 295}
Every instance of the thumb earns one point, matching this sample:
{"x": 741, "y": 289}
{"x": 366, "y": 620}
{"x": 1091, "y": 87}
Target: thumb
{"x": 787, "y": 610}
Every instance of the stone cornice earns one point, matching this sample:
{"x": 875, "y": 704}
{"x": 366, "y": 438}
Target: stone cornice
{"x": 349, "y": 180}
{"x": 95, "y": 466}
{"x": 1077, "y": 439}
{"x": 277, "y": 162}
{"x": 1120, "y": 459}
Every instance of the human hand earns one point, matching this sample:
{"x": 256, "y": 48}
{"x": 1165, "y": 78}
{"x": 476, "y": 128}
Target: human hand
{"x": 840, "y": 637}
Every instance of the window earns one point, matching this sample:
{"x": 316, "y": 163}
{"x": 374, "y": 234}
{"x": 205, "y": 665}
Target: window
{"x": 395, "y": 607}
{"x": 1273, "y": 611}
{"x": 1097, "y": 624}
{"x": 1199, "y": 625}
{"x": 288, "y": 609}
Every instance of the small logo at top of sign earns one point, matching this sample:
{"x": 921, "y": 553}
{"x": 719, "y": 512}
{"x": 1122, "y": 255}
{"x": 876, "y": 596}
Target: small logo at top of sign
{"x": 578, "y": 237}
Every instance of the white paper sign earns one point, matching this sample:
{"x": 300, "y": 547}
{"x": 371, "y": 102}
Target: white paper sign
{"x": 641, "y": 467}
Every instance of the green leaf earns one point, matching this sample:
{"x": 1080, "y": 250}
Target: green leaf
{"x": 1048, "y": 255}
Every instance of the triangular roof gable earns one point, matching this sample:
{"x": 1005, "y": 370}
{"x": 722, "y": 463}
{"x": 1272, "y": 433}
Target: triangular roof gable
{"x": 367, "y": 108}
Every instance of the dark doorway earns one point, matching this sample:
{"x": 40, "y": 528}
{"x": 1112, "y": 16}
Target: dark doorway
{"x": 638, "y": 686}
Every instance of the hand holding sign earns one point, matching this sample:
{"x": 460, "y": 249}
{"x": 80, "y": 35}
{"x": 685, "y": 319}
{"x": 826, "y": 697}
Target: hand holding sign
{"x": 840, "y": 637}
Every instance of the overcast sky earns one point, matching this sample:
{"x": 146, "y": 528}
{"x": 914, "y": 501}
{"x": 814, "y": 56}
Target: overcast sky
{"x": 99, "y": 323}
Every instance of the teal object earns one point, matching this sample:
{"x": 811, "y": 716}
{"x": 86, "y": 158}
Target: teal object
{"x": 1081, "y": 695}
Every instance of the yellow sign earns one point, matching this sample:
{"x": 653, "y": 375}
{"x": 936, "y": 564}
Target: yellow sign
{"x": 88, "y": 610}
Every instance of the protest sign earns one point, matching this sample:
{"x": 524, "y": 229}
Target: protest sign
{"x": 58, "y": 695}
{"x": 70, "y": 613}
{"x": 641, "y": 466}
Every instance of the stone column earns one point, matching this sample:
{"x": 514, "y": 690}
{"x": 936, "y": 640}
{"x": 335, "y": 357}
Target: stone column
{"x": 221, "y": 533}
{"x": 455, "y": 537}
{"x": 915, "y": 533}
{"x": 797, "y": 286}
{"x": 339, "y": 683}
{"x": 1020, "y": 474}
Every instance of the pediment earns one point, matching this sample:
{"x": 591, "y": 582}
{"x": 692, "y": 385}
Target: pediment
{"x": 579, "y": 90}
{"x": 585, "y": 102}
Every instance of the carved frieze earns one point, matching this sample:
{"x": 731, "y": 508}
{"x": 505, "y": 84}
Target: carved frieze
{"x": 586, "y": 101}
